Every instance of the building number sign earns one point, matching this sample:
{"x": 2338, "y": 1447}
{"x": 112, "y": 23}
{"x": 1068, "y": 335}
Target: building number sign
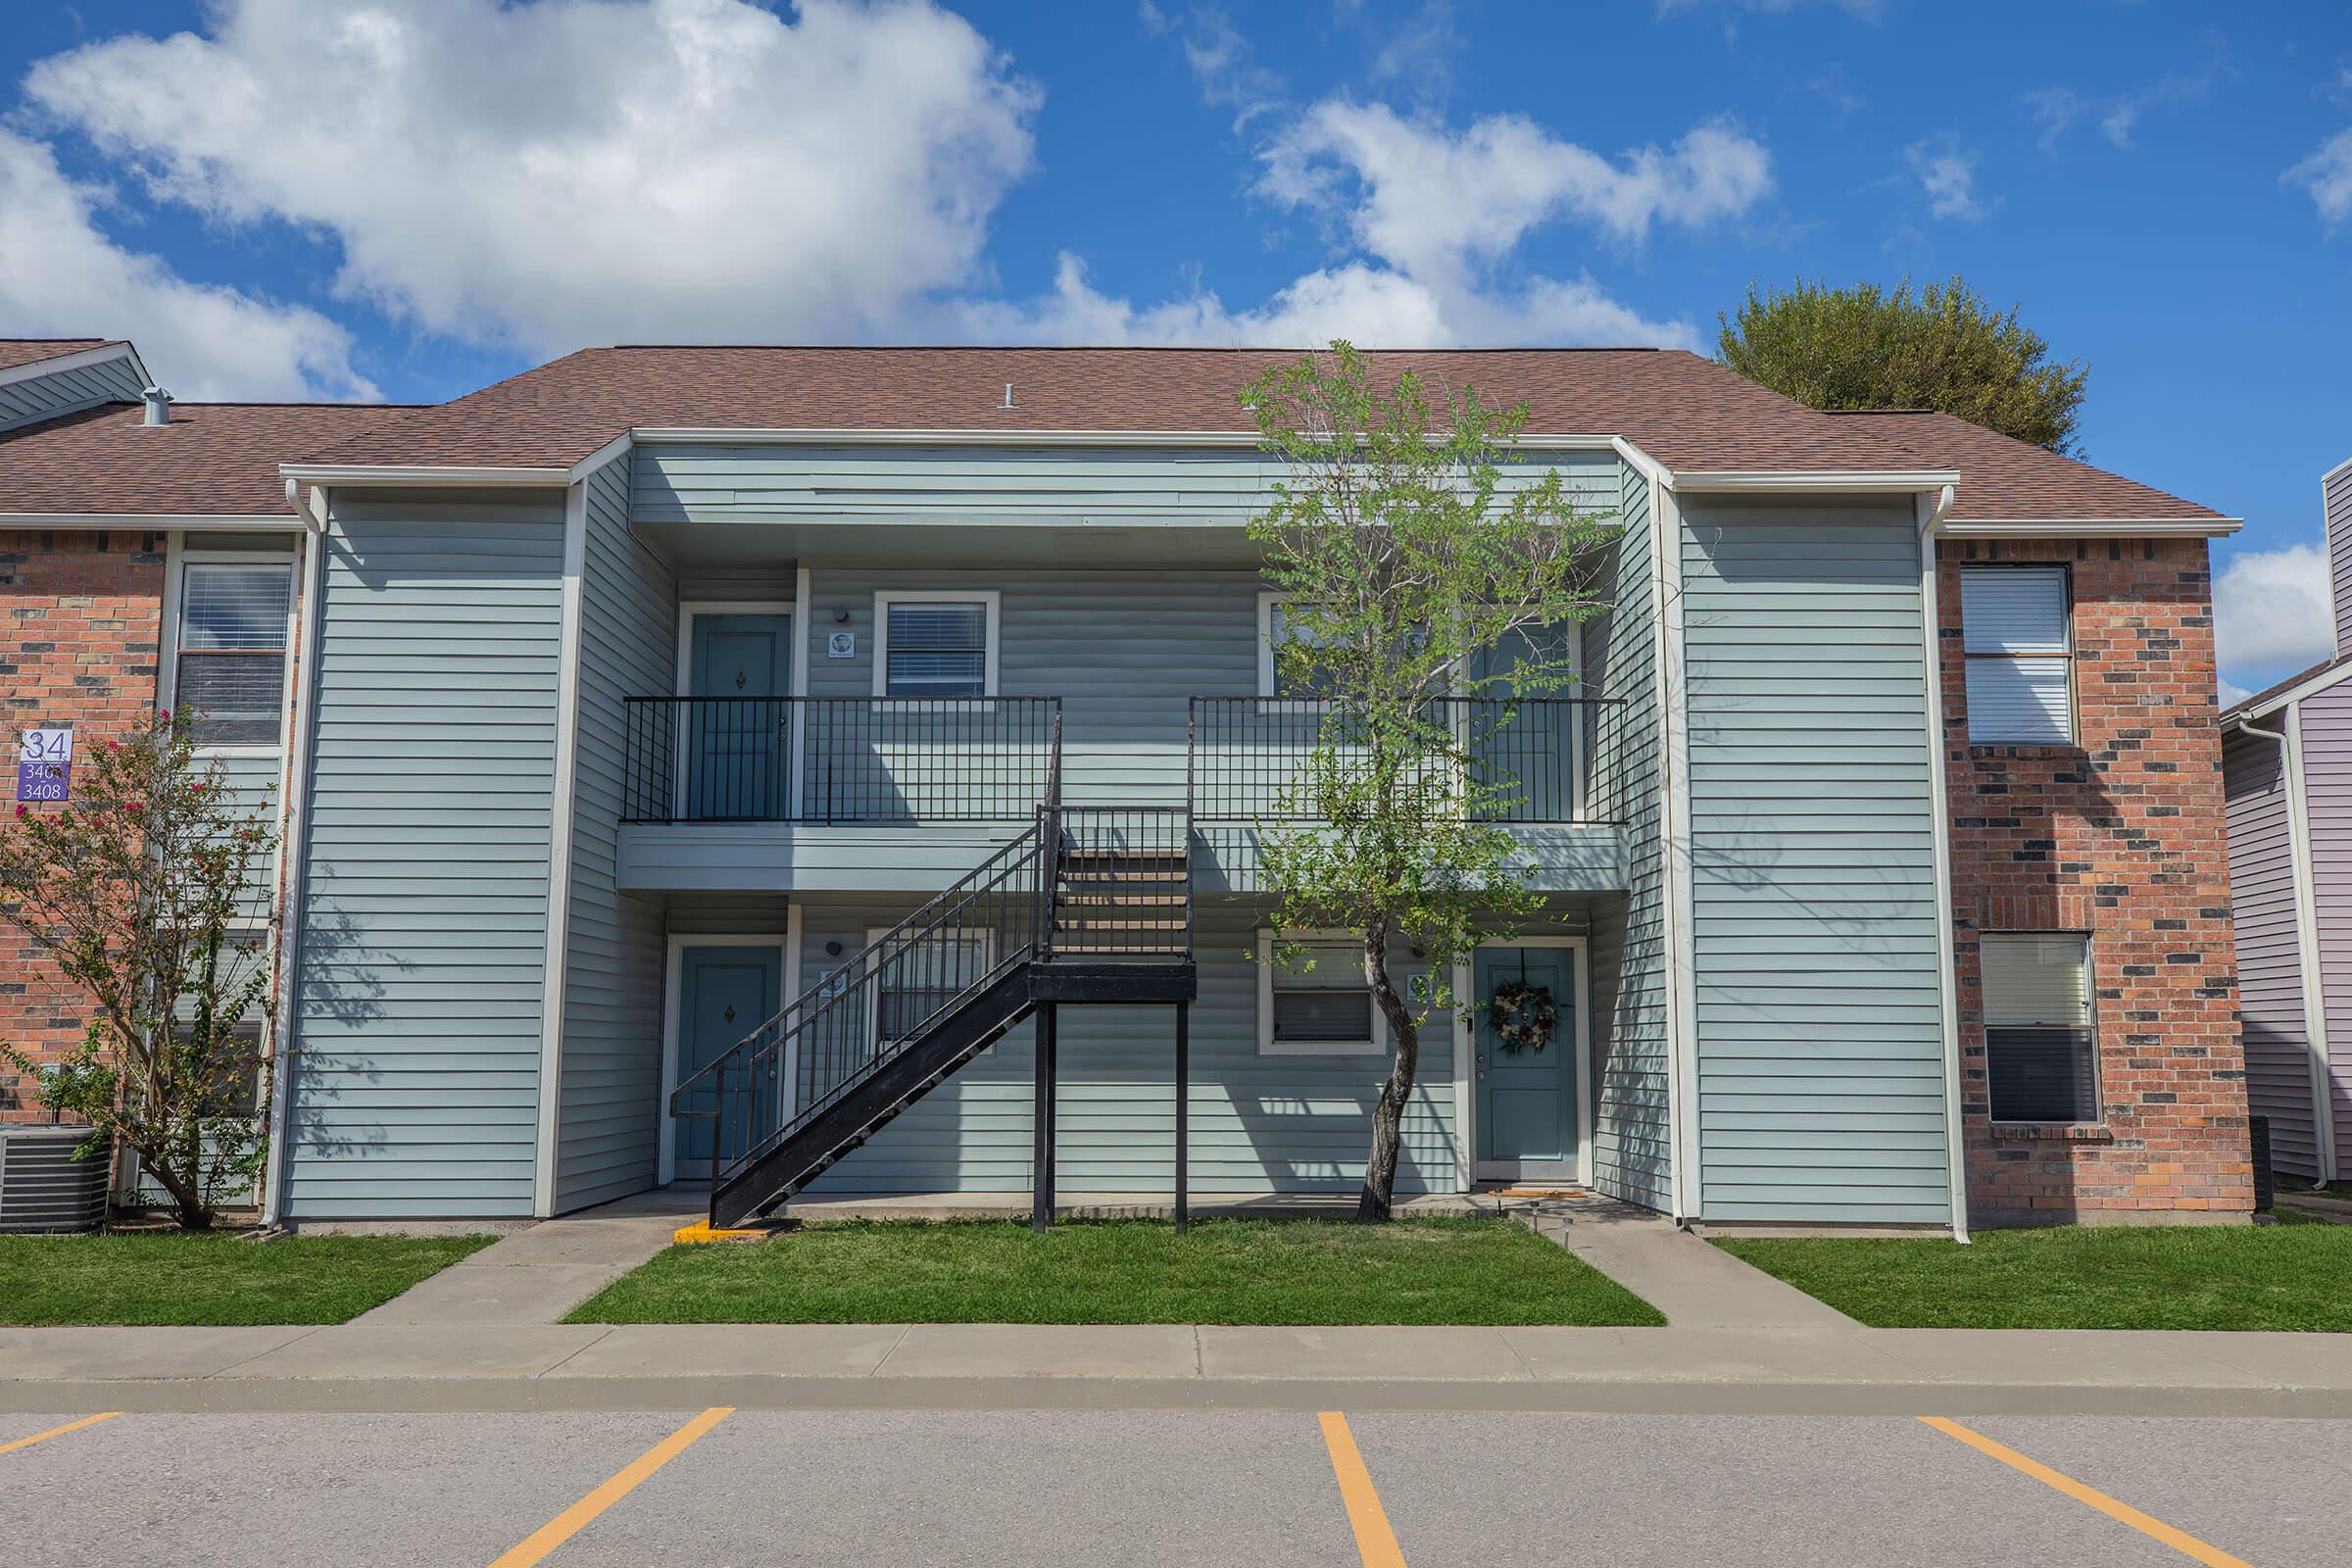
{"x": 44, "y": 764}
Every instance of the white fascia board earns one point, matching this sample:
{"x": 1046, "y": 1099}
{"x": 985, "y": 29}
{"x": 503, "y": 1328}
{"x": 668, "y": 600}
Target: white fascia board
{"x": 78, "y": 360}
{"x": 215, "y": 522}
{"x": 2090, "y": 527}
{"x": 1774, "y": 481}
{"x": 2338, "y": 468}
{"x": 2293, "y": 694}
{"x": 1649, "y": 467}
{"x": 603, "y": 454}
{"x": 361, "y": 473}
{"x": 745, "y": 436}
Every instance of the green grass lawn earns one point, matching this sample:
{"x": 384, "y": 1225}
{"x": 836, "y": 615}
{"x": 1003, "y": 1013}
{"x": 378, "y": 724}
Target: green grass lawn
{"x": 170, "y": 1278}
{"x": 1465, "y": 1269}
{"x": 2290, "y": 1276}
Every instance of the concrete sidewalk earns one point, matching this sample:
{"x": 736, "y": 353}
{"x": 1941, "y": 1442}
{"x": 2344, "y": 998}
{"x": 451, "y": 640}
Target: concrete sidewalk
{"x": 1851, "y": 1370}
{"x": 536, "y": 1275}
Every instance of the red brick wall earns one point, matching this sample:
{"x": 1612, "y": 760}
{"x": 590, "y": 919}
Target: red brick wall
{"x": 2122, "y": 837}
{"x": 81, "y": 622}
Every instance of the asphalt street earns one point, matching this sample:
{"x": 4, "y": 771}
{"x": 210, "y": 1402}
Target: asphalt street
{"x": 734, "y": 1489}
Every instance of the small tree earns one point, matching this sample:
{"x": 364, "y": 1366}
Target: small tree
{"x": 1944, "y": 349}
{"x": 142, "y": 894}
{"x": 1402, "y": 559}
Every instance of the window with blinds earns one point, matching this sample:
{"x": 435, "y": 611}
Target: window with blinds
{"x": 935, "y": 648}
{"x": 2040, "y": 1054}
{"x": 2020, "y": 653}
{"x": 231, "y": 667}
{"x": 1319, "y": 1004}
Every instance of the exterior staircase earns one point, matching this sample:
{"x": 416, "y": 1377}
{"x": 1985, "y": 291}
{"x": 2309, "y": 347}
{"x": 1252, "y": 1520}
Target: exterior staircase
{"x": 1089, "y": 905}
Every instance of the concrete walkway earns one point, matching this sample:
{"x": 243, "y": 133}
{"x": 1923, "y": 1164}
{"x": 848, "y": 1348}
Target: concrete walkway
{"x": 537, "y": 1275}
{"x": 1697, "y": 1286}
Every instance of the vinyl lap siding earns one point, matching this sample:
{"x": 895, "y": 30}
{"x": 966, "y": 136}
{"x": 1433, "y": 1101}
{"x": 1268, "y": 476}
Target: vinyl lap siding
{"x": 1291, "y": 1124}
{"x": 2270, "y": 964}
{"x": 1633, "y": 1141}
{"x": 1815, "y": 946}
{"x": 2328, "y": 810}
{"x": 44, "y": 397}
{"x": 997, "y": 486}
{"x": 609, "y": 1116}
{"x": 422, "y": 939}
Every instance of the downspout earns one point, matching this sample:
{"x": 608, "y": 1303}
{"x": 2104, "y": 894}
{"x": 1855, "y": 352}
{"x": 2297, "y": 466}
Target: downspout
{"x": 2307, "y": 937}
{"x": 294, "y": 846}
{"x": 1930, "y": 513}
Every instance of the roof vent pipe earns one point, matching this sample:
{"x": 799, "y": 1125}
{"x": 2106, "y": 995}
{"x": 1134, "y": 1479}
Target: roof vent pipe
{"x": 159, "y": 404}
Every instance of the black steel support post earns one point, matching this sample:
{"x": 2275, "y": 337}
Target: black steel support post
{"x": 1183, "y": 1108}
{"x": 1041, "y": 1180}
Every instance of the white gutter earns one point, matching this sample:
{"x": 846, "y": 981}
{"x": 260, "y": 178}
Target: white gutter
{"x": 361, "y": 473}
{"x": 798, "y": 435}
{"x": 2091, "y": 527}
{"x": 155, "y": 521}
{"x": 1765, "y": 481}
{"x": 2307, "y": 937}
{"x": 1932, "y": 507}
{"x": 312, "y": 508}
{"x": 294, "y": 855}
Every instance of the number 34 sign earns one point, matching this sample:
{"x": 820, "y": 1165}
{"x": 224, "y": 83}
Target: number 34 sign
{"x": 44, "y": 764}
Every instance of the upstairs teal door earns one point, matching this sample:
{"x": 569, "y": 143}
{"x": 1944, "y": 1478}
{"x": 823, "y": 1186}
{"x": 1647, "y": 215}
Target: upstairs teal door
{"x": 737, "y": 738}
{"x": 1527, "y": 1117}
{"x": 1532, "y": 757}
{"x": 723, "y": 995}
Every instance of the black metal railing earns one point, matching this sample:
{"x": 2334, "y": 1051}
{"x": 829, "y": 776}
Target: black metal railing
{"x": 839, "y": 759}
{"x": 1080, "y": 883}
{"x": 1534, "y": 760}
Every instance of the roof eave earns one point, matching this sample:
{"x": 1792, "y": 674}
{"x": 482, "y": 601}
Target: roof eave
{"x": 455, "y": 475}
{"x": 2091, "y": 527}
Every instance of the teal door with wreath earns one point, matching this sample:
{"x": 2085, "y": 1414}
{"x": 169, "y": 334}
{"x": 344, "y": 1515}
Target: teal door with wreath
{"x": 1524, "y": 1060}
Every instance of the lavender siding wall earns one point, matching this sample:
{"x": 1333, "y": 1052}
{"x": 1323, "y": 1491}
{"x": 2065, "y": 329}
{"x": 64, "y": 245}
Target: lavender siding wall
{"x": 2335, "y": 491}
{"x": 2270, "y": 970}
{"x": 2327, "y": 806}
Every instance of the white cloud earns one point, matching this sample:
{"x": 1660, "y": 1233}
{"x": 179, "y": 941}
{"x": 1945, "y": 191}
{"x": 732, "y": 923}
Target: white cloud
{"x": 1428, "y": 200}
{"x": 61, "y": 277}
{"x": 1949, "y": 177}
{"x": 2328, "y": 174}
{"x": 2272, "y": 614}
{"x": 2230, "y": 694}
{"x": 2058, "y": 108}
{"x": 565, "y": 172}
{"x": 1223, "y": 65}
{"x": 1867, "y": 10}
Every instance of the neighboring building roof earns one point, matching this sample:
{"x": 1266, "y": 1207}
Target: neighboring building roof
{"x": 1685, "y": 411}
{"x": 2320, "y": 676}
{"x": 2004, "y": 479}
{"x": 18, "y": 351}
{"x": 213, "y": 458}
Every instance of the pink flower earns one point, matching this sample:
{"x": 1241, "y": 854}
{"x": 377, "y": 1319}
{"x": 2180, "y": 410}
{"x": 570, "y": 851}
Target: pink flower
{"x": 19, "y": 808}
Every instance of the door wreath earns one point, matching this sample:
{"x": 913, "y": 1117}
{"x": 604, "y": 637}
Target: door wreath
{"x": 1523, "y": 1017}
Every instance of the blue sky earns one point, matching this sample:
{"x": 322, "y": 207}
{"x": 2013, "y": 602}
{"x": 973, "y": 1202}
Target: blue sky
{"x": 407, "y": 198}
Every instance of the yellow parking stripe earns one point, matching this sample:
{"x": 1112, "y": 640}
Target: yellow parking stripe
{"x": 1375, "y": 1542}
{"x": 57, "y": 1432}
{"x": 534, "y": 1547}
{"x": 2188, "y": 1545}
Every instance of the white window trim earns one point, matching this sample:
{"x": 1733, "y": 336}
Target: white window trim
{"x": 2091, "y": 1008}
{"x": 1268, "y": 1046}
{"x": 673, "y": 1004}
{"x": 177, "y": 558}
{"x": 988, "y": 599}
{"x": 2073, "y": 714}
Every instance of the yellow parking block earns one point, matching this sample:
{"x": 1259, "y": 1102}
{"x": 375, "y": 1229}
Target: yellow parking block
{"x": 699, "y": 1232}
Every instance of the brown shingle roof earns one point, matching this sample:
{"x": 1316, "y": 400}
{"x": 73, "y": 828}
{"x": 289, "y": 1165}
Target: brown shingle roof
{"x": 16, "y": 351}
{"x": 1685, "y": 411}
{"x": 2005, "y": 479}
{"x": 213, "y": 457}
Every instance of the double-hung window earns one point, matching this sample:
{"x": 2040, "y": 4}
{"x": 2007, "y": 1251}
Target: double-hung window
{"x": 915, "y": 981}
{"x": 231, "y": 641}
{"x": 1319, "y": 1004}
{"x": 1275, "y": 628}
{"x": 2019, "y": 651}
{"x": 2040, "y": 1054}
{"x": 935, "y": 645}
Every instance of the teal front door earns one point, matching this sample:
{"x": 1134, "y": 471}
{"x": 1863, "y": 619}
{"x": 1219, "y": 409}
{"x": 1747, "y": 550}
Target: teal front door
{"x": 1526, "y": 1086}
{"x": 723, "y": 995}
{"x": 737, "y": 731}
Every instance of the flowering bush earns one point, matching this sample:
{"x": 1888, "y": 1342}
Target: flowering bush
{"x": 144, "y": 893}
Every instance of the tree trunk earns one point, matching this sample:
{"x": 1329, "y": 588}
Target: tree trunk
{"x": 1388, "y": 1116}
{"x": 187, "y": 1202}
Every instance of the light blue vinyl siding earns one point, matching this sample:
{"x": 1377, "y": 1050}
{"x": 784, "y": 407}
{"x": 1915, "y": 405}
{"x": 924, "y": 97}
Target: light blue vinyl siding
{"x": 1815, "y": 942}
{"x": 1632, "y": 1136}
{"x": 981, "y": 487}
{"x": 45, "y": 397}
{"x": 423, "y": 940}
{"x": 1294, "y": 1124}
{"x": 609, "y": 1119}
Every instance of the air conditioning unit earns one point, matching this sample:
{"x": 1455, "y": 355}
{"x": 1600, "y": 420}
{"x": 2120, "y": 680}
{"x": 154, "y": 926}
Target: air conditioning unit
{"x": 44, "y": 1187}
